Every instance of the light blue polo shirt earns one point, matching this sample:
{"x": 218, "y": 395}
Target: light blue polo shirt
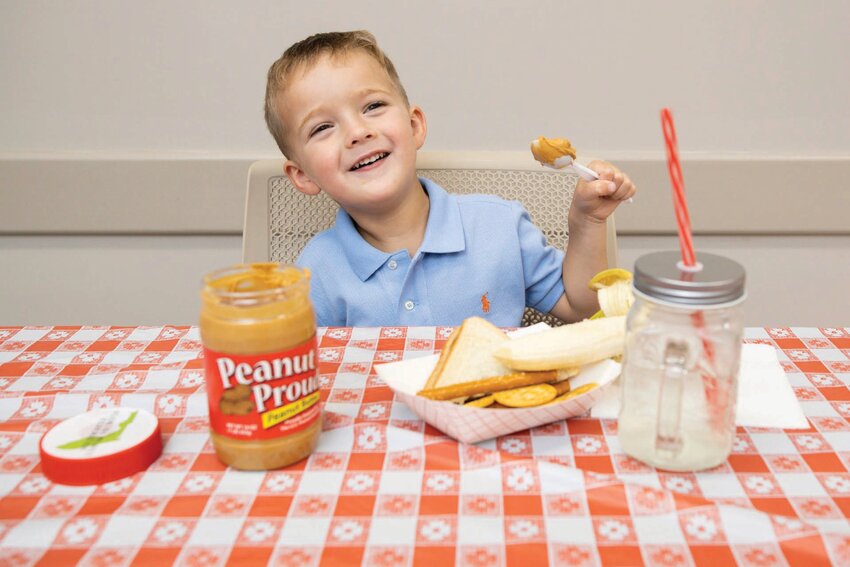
{"x": 481, "y": 255}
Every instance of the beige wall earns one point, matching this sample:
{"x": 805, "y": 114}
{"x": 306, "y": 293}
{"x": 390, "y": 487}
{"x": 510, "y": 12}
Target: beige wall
{"x": 754, "y": 77}
{"x": 97, "y": 95}
{"x": 154, "y": 280}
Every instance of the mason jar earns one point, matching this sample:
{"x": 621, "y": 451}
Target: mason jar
{"x": 680, "y": 366}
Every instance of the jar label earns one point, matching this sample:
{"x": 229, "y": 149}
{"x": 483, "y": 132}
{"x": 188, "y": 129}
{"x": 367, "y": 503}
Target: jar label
{"x": 262, "y": 396}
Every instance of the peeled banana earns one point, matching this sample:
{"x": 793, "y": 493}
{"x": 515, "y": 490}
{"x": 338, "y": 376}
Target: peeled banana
{"x": 567, "y": 346}
{"x": 613, "y": 291}
{"x": 616, "y": 299}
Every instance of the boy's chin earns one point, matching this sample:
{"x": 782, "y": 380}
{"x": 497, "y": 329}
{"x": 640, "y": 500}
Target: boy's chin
{"x": 385, "y": 188}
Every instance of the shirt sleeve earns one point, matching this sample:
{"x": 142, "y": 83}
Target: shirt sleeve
{"x": 325, "y": 316}
{"x": 325, "y": 313}
{"x": 542, "y": 266}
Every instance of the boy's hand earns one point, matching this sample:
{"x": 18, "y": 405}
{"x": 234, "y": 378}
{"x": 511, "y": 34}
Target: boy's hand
{"x": 596, "y": 200}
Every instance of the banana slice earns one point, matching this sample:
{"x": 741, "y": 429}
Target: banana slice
{"x": 616, "y": 299}
{"x": 570, "y": 345}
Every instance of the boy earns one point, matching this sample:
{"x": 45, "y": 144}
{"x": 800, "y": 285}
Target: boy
{"x": 403, "y": 251}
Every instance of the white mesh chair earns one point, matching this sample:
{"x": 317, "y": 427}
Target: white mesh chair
{"x": 279, "y": 220}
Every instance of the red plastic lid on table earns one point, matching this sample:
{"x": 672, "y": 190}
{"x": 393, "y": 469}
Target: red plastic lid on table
{"x": 100, "y": 446}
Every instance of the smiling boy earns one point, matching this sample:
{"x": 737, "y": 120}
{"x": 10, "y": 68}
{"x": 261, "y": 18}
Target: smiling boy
{"x": 402, "y": 250}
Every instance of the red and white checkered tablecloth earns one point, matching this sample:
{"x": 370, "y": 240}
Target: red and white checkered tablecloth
{"x": 385, "y": 489}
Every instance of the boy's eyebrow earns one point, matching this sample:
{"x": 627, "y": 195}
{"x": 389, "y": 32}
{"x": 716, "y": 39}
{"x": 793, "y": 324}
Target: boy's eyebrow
{"x": 308, "y": 117}
{"x": 361, "y": 93}
{"x": 372, "y": 90}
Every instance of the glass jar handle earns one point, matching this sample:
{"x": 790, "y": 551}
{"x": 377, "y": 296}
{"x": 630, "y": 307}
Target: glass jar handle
{"x": 668, "y": 435}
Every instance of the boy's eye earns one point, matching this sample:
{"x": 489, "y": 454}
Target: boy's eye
{"x": 318, "y": 129}
{"x": 374, "y": 105}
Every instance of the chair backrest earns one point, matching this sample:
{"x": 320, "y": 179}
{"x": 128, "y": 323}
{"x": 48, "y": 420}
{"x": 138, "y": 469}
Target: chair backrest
{"x": 279, "y": 220}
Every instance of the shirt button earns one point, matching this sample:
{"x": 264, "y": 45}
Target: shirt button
{"x": 392, "y": 264}
{"x": 409, "y": 305}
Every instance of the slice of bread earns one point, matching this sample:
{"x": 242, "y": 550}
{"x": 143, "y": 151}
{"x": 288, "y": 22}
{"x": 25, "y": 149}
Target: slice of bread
{"x": 468, "y": 355}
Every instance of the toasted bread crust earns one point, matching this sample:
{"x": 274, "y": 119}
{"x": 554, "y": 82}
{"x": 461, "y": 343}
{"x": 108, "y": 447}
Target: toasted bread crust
{"x": 445, "y": 354}
{"x": 488, "y": 385}
{"x": 561, "y": 387}
{"x": 467, "y": 355}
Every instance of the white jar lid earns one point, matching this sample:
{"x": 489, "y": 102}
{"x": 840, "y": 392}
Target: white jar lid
{"x": 100, "y": 446}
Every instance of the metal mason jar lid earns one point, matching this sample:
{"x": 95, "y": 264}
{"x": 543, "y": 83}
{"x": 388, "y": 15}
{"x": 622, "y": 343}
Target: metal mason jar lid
{"x": 660, "y": 275}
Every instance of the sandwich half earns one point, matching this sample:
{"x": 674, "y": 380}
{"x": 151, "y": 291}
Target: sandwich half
{"x": 468, "y": 355}
{"x": 467, "y": 368}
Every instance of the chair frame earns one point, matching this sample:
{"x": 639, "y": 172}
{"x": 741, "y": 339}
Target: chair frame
{"x": 255, "y": 234}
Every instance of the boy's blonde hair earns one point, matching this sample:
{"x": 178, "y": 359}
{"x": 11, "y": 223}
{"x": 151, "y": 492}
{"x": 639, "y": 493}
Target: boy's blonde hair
{"x": 306, "y": 52}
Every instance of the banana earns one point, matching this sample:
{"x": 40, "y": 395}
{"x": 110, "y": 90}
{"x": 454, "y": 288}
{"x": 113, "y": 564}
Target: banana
{"x": 567, "y": 346}
{"x": 613, "y": 291}
{"x": 616, "y": 299}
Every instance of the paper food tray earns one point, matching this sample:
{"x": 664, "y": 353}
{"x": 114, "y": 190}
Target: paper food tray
{"x": 471, "y": 425}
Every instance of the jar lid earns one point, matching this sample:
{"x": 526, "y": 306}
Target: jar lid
{"x": 715, "y": 279}
{"x": 100, "y": 446}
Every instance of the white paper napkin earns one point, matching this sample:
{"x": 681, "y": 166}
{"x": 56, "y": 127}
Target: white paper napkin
{"x": 765, "y": 398}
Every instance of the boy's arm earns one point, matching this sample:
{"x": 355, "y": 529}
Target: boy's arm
{"x": 586, "y": 253}
{"x": 586, "y": 256}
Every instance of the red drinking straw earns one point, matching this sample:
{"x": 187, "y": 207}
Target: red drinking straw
{"x": 683, "y": 219}
{"x": 716, "y": 395}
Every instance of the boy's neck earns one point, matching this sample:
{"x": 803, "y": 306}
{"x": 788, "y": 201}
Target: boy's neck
{"x": 402, "y": 228}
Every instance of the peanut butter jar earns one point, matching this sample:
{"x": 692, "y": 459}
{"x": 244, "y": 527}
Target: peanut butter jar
{"x": 258, "y": 330}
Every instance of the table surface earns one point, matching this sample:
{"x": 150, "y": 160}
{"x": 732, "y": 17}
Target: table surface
{"x": 384, "y": 488}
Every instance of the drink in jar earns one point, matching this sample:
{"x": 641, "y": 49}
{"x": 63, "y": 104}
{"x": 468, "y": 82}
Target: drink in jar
{"x": 680, "y": 367}
{"x": 258, "y": 330}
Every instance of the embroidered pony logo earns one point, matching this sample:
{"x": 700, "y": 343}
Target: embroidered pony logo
{"x": 485, "y": 303}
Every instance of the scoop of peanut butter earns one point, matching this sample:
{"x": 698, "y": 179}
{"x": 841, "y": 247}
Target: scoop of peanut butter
{"x": 547, "y": 150}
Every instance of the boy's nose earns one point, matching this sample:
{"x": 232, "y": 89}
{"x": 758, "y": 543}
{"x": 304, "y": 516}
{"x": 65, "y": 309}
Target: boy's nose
{"x": 360, "y": 133}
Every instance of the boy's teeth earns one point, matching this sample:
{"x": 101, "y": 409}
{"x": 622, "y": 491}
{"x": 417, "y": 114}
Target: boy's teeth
{"x": 372, "y": 159}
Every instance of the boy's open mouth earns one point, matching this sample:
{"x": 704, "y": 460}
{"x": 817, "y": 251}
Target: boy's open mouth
{"x": 369, "y": 161}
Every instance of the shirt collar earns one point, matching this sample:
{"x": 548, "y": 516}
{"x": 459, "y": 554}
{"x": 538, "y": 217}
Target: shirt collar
{"x": 443, "y": 233}
{"x": 363, "y": 258}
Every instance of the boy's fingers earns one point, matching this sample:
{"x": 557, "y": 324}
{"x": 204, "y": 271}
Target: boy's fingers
{"x": 620, "y": 193}
{"x": 603, "y": 169}
{"x": 626, "y": 191}
{"x": 613, "y": 184}
{"x": 603, "y": 188}
{"x": 605, "y": 173}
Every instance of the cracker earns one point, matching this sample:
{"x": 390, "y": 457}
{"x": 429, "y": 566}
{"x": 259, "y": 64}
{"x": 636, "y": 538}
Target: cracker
{"x": 526, "y": 396}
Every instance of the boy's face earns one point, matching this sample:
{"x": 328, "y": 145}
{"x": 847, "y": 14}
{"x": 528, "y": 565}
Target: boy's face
{"x": 350, "y": 133}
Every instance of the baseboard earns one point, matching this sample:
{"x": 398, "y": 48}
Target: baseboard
{"x": 205, "y": 195}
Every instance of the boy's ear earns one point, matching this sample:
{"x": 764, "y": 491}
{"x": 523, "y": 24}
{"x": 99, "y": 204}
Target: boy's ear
{"x": 419, "y": 125}
{"x": 299, "y": 178}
